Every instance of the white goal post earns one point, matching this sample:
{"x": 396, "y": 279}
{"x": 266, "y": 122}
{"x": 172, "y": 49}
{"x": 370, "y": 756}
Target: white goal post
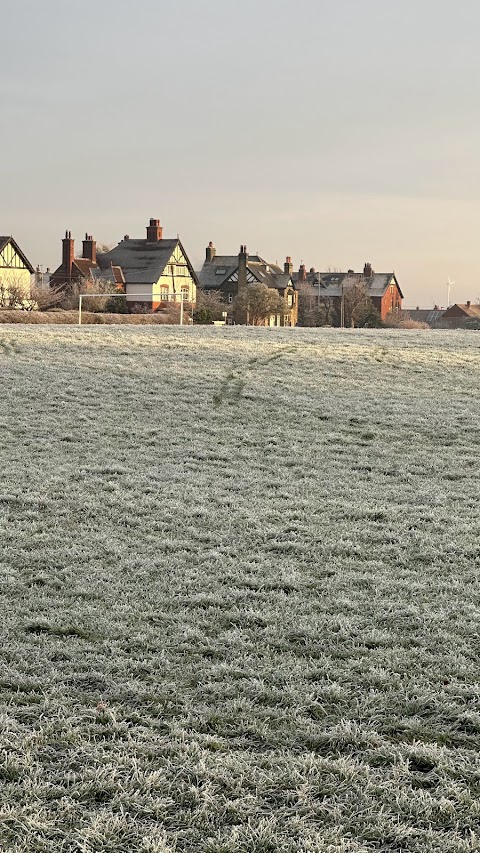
{"x": 161, "y": 297}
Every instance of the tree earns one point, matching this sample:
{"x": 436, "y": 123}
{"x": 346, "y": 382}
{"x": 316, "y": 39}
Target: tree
{"x": 315, "y": 311}
{"x": 209, "y": 306}
{"x": 357, "y": 304}
{"x": 97, "y": 303}
{"x": 17, "y": 294}
{"x": 259, "y": 302}
{"x": 403, "y": 320}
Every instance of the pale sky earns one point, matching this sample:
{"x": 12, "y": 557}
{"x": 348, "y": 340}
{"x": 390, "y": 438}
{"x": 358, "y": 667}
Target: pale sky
{"x": 334, "y": 131}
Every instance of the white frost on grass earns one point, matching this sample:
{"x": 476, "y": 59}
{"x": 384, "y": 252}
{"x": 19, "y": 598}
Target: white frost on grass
{"x": 240, "y": 590}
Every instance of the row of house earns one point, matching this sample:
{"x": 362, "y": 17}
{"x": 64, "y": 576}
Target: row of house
{"x": 458, "y": 316}
{"x": 154, "y": 270}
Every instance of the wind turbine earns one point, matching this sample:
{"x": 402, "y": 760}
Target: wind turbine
{"x": 449, "y": 284}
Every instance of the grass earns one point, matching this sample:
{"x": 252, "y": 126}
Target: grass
{"x": 240, "y": 590}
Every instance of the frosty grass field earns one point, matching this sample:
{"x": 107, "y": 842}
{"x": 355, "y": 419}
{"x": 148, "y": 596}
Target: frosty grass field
{"x": 240, "y": 590}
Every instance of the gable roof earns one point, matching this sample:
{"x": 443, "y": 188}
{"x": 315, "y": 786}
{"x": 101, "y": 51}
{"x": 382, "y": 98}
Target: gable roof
{"x": 5, "y": 240}
{"x": 212, "y": 276}
{"x": 216, "y": 272}
{"x": 462, "y": 308}
{"x": 332, "y": 283}
{"x": 142, "y": 262}
{"x": 85, "y": 265}
{"x": 424, "y": 315}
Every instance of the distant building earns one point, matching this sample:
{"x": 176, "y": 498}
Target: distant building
{"x": 382, "y": 288}
{"x": 151, "y": 271}
{"x": 459, "y": 315}
{"x": 431, "y": 316}
{"x": 15, "y": 271}
{"x": 227, "y": 274}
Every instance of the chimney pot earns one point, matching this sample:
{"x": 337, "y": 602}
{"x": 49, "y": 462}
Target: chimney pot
{"x": 90, "y": 249}
{"x": 468, "y": 303}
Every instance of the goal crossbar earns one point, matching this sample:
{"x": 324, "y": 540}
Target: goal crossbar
{"x": 161, "y": 298}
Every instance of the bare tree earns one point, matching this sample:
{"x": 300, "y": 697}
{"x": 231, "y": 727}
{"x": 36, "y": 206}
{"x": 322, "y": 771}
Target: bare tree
{"x": 315, "y": 310}
{"x": 97, "y": 303}
{"x": 357, "y": 304}
{"x": 260, "y": 302}
{"x": 17, "y": 294}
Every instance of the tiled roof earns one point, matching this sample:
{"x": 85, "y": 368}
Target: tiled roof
{"x": 102, "y": 275}
{"x": 425, "y": 315}
{"x": 118, "y": 275}
{"x": 467, "y": 310}
{"x": 332, "y": 283}
{"x": 220, "y": 268}
{"x": 85, "y": 265}
{"x": 5, "y": 240}
{"x": 141, "y": 262}
{"x": 215, "y": 272}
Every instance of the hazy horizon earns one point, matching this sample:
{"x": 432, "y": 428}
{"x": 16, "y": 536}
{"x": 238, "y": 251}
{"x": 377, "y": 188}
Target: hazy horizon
{"x": 334, "y": 133}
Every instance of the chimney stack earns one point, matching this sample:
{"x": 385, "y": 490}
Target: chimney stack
{"x": 90, "y": 249}
{"x": 210, "y": 252}
{"x": 468, "y": 303}
{"x": 154, "y": 231}
{"x": 68, "y": 251}
{"x": 242, "y": 267}
{"x": 367, "y": 270}
{"x": 288, "y": 266}
{"x": 302, "y": 273}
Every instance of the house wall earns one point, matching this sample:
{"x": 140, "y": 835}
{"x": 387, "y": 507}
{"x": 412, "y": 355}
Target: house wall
{"x": 135, "y": 294}
{"x": 176, "y": 278}
{"x": 390, "y": 302}
{"x": 13, "y": 273}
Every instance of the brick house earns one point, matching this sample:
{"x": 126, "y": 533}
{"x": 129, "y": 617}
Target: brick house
{"x": 458, "y": 316}
{"x": 383, "y": 288}
{"x": 151, "y": 271}
{"x": 228, "y": 274}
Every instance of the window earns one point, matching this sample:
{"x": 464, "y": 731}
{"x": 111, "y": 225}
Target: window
{"x": 290, "y": 300}
{"x": 230, "y": 297}
{"x": 220, "y": 271}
